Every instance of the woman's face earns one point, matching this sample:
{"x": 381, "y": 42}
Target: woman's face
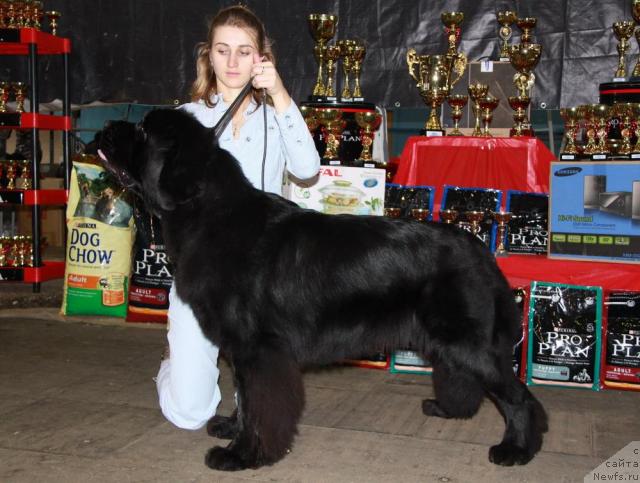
{"x": 231, "y": 56}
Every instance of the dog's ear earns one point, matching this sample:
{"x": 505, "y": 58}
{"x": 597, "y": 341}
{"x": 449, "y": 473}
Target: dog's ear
{"x": 180, "y": 179}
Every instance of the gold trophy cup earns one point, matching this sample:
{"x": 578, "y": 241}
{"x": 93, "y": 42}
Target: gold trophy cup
{"x": 448, "y": 216}
{"x": 635, "y": 12}
{"x": 526, "y": 24}
{"x": 359, "y": 51}
{"x": 333, "y": 124}
{"x": 457, "y": 103}
{"x": 433, "y": 75}
{"x": 524, "y": 58}
{"x": 488, "y": 104}
{"x": 624, "y": 112}
{"x": 332, "y": 54}
{"x": 369, "y": 122}
{"x": 323, "y": 28}
{"x": 452, "y": 21}
{"x": 506, "y": 19}
{"x": 477, "y": 91}
{"x": 474, "y": 218}
{"x": 520, "y": 106}
{"x": 392, "y": 212}
{"x": 502, "y": 218}
{"x": 623, "y": 31}
{"x": 53, "y": 17}
{"x": 420, "y": 214}
{"x": 5, "y": 87}
{"x": 571, "y": 117}
{"x": 18, "y": 89}
{"x": 347, "y": 49}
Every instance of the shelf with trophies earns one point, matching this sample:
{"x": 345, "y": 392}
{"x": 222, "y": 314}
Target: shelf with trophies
{"x": 342, "y": 121}
{"x": 21, "y": 34}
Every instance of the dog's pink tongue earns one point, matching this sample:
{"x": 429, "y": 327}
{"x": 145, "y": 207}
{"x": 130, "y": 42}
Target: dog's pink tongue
{"x": 101, "y": 154}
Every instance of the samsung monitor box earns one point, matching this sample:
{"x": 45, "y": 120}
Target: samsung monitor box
{"x": 594, "y": 211}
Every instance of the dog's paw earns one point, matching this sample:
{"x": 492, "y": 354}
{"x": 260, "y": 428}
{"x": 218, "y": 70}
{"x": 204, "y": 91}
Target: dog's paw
{"x": 430, "y": 407}
{"x": 507, "y": 454}
{"x": 222, "y": 427}
{"x": 224, "y": 459}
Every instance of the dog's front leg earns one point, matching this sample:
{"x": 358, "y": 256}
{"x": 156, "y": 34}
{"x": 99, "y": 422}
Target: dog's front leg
{"x": 223, "y": 427}
{"x": 270, "y": 403}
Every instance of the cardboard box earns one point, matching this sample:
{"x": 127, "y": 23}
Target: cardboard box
{"x": 341, "y": 189}
{"x": 594, "y": 211}
{"x": 52, "y": 218}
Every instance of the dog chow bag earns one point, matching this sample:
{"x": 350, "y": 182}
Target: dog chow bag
{"x": 621, "y": 358}
{"x": 564, "y": 335}
{"x": 99, "y": 243}
{"x": 150, "y": 271}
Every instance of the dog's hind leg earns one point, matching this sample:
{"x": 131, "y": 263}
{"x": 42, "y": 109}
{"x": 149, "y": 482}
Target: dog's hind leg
{"x": 223, "y": 427}
{"x": 458, "y": 393}
{"x": 525, "y": 419}
{"x": 270, "y": 403}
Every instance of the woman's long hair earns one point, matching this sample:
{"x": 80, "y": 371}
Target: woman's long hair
{"x": 205, "y": 85}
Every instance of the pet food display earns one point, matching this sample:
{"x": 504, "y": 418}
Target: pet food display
{"x": 465, "y": 200}
{"x": 519, "y": 354}
{"x": 529, "y": 224}
{"x": 564, "y": 335}
{"x": 408, "y": 198}
{"x": 621, "y": 354}
{"x": 150, "y": 271}
{"x": 409, "y": 362}
{"x": 99, "y": 243}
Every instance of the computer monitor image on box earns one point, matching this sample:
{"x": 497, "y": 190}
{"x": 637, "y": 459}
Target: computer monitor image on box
{"x": 593, "y": 186}
{"x": 616, "y": 203}
{"x": 635, "y": 201}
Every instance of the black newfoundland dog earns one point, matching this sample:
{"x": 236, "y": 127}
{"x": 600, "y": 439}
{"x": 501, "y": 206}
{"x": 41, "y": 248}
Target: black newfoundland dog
{"x": 278, "y": 288}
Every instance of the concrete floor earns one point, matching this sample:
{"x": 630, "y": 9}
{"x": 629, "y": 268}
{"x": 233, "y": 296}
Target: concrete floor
{"x": 78, "y": 404}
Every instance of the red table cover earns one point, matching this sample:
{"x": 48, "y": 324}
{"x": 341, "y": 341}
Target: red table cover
{"x": 475, "y": 162}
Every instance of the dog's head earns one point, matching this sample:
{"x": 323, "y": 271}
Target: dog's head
{"x": 161, "y": 159}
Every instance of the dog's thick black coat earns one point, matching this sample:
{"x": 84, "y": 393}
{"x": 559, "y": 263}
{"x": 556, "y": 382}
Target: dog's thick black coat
{"x": 278, "y": 287}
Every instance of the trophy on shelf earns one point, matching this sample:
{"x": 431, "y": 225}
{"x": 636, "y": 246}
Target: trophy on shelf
{"x": 635, "y": 12}
{"x": 457, "y": 103}
{"x": 519, "y": 104}
{"x": 369, "y": 122}
{"x": 310, "y": 118}
{"x": 635, "y": 149}
{"x": 506, "y": 19}
{"x": 332, "y": 55}
{"x": 487, "y": 104}
{"x": 625, "y": 112}
{"x": 477, "y": 91}
{"x": 474, "y": 218}
{"x": 448, "y": 216}
{"x": 24, "y": 180}
{"x": 53, "y": 17}
{"x": 452, "y": 21}
{"x": 359, "y": 51}
{"x": 18, "y": 89}
{"x": 571, "y": 117}
{"x": 5, "y": 87}
{"x": 432, "y": 74}
{"x": 347, "y": 48}
{"x": 623, "y": 31}
{"x": 526, "y": 24}
{"x": 11, "y": 176}
{"x": 601, "y": 114}
{"x": 502, "y": 218}
{"x": 323, "y": 28}
{"x": 392, "y": 211}
{"x": 333, "y": 125}
{"x": 590, "y": 124}
{"x": 524, "y": 58}
{"x": 420, "y": 214}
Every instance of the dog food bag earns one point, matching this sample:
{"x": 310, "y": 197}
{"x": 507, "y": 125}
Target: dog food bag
{"x": 621, "y": 329}
{"x": 99, "y": 242}
{"x": 409, "y": 362}
{"x": 564, "y": 335}
{"x": 408, "y": 198}
{"x": 529, "y": 226}
{"x": 150, "y": 271}
{"x": 519, "y": 354}
{"x": 465, "y": 200}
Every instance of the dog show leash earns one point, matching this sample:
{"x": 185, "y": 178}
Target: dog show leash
{"x": 224, "y": 121}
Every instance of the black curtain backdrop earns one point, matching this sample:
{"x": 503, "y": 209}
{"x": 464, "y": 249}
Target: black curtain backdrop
{"x": 143, "y": 50}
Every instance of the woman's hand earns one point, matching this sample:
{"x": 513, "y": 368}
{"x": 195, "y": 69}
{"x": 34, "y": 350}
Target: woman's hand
{"x": 265, "y": 76}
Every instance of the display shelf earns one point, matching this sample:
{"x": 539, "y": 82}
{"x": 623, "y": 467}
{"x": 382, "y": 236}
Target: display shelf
{"x": 521, "y": 270}
{"x": 33, "y": 197}
{"x": 49, "y": 270}
{"x": 30, "y": 120}
{"x": 16, "y": 42}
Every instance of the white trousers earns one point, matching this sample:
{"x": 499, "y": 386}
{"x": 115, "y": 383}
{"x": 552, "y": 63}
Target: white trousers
{"x": 187, "y": 381}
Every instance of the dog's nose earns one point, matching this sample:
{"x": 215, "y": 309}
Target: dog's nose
{"x": 108, "y": 124}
